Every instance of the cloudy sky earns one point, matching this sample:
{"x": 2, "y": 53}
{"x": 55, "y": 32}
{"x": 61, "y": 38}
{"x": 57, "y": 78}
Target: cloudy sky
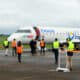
{"x": 19, "y": 13}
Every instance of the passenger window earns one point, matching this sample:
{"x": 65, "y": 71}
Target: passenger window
{"x": 23, "y": 31}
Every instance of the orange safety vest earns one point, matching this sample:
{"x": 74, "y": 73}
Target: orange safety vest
{"x": 13, "y": 43}
{"x": 19, "y": 50}
{"x": 42, "y": 44}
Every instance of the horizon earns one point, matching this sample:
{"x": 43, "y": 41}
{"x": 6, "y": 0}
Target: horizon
{"x": 13, "y": 29}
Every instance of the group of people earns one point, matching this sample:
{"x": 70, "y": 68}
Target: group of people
{"x": 55, "y": 48}
{"x": 17, "y": 48}
{"x": 34, "y": 45}
{"x": 37, "y": 43}
{"x": 69, "y": 46}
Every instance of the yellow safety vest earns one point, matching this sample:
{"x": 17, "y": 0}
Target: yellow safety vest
{"x": 55, "y": 44}
{"x": 5, "y": 43}
{"x": 71, "y": 46}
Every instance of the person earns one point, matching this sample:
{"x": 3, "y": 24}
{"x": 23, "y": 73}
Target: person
{"x": 33, "y": 45}
{"x": 37, "y": 33}
{"x": 6, "y": 46}
{"x": 42, "y": 46}
{"x": 19, "y": 50}
{"x": 70, "y": 48}
{"x": 13, "y": 47}
{"x": 56, "y": 49}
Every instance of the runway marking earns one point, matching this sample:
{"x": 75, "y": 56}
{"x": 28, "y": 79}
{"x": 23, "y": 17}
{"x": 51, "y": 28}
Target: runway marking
{"x": 52, "y": 70}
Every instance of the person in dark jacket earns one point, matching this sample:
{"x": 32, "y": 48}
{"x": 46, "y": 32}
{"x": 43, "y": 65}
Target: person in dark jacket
{"x": 33, "y": 45}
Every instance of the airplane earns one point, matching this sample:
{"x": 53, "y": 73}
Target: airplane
{"x": 25, "y": 34}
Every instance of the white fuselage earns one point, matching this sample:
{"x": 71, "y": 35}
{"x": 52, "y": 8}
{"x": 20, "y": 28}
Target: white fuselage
{"x": 48, "y": 33}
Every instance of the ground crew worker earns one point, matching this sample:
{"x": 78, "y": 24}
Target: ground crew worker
{"x": 33, "y": 45}
{"x": 42, "y": 46}
{"x": 56, "y": 50}
{"x": 70, "y": 48}
{"x": 14, "y": 47}
{"x": 19, "y": 50}
{"x": 6, "y": 46}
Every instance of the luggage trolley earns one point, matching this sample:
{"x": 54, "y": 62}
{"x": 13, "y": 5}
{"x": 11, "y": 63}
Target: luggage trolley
{"x": 59, "y": 68}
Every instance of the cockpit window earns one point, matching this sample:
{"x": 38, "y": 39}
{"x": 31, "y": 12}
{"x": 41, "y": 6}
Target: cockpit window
{"x": 23, "y": 31}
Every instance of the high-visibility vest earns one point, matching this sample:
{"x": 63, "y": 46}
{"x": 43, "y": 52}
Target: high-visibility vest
{"x": 55, "y": 44}
{"x": 6, "y": 43}
{"x": 42, "y": 43}
{"x": 71, "y": 46}
{"x": 19, "y": 50}
{"x": 13, "y": 43}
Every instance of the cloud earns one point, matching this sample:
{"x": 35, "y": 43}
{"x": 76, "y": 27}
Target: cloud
{"x": 39, "y": 12}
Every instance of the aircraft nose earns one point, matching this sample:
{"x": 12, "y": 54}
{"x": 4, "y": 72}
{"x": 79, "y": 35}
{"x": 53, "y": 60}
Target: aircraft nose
{"x": 14, "y": 36}
{"x": 11, "y": 38}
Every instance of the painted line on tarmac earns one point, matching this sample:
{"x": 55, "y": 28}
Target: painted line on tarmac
{"x": 52, "y": 70}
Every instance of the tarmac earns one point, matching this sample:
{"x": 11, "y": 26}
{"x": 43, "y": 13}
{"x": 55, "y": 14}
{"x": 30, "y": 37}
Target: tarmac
{"x": 37, "y": 67}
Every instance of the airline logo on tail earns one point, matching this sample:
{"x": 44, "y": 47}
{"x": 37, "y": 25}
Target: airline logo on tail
{"x": 71, "y": 35}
